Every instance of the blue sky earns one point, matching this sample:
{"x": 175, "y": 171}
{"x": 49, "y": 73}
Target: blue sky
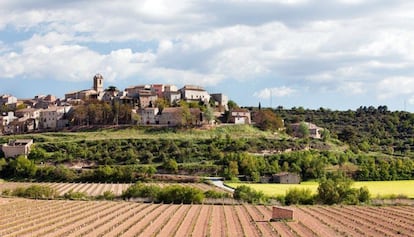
{"x": 337, "y": 54}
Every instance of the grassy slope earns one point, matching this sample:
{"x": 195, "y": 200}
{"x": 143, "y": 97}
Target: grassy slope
{"x": 140, "y": 133}
{"x": 381, "y": 188}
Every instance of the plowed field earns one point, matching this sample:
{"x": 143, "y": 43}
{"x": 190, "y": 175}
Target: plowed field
{"x": 95, "y": 189}
{"x": 25, "y": 217}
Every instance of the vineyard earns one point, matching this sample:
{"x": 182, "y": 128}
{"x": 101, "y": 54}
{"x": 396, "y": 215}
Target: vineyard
{"x": 25, "y": 217}
{"x": 95, "y": 189}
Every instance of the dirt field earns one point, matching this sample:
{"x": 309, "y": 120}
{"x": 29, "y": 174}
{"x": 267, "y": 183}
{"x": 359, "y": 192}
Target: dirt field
{"x": 25, "y": 217}
{"x": 95, "y": 189}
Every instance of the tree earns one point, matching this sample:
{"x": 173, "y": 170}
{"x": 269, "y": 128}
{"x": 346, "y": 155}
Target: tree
{"x": 38, "y": 154}
{"x": 326, "y": 135}
{"x": 23, "y": 167}
{"x": 170, "y": 165}
{"x": 298, "y": 196}
{"x": 338, "y": 190}
{"x": 232, "y": 105}
{"x": 328, "y": 192}
{"x": 3, "y": 163}
{"x": 248, "y": 194}
{"x": 185, "y": 113}
{"x": 161, "y": 103}
{"x": 267, "y": 120}
{"x": 232, "y": 170}
{"x": 303, "y": 130}
{"x": 209, "y": 114}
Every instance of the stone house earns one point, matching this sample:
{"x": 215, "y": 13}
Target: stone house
{"x": 173, "y": 97}
{"x": 133, "y": 91}
{"x": 314, "y": 131}
{"x": 30, "y": 113}
{"x": 49, "y": 118}
{"x": 8, "y": 100}
{"x": 17, "y": 147}
{"x": 44, "y": 101}
{"x": 147, "y": 98}
{"x": 7, "y": 118}
{"x": 158, "y": 89}
{"x": 286, "y": 178}
{"x": 194, "y": 93}
{"x": 149, "y": 115}
{"x": 221, "y": 101}
{"x": 240, "y": 116}
{"x": 175, "y": 116}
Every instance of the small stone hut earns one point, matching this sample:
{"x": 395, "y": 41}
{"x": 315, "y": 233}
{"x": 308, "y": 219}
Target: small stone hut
{"x": 286, "y": 178}
{"x": 17, "y": 147}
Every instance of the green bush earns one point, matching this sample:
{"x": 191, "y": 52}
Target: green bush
{"x": 299, "y": 196}
{"x": 36, "y": 192}
{"x": 142, "y": 190}
{"x": 170, "y": 194}
{"x": 338, "y": 190}
{"x": 71, "y": 195}
{"x": 107, "y": 195}
{"x": 246, "y": 193}
{"x": 215, "y": 194}
{"x": 181, "y": 194}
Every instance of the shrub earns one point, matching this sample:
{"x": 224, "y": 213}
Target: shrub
{"x": 338, "y": 190}
{"x": 36, "y": 192}
{"x": 364, "y": 195}
{"x": 299, "y": 196}
{"x": 170, "y": 194}
{"x": 181, "y": 194}
{"x": 246, "y": 193}
{"x": 71, "y": 195}
{"x": 7, "y": 192}
{"x": 107, "y": 195}
{"x": 215, "y": 194}
{"x": 141, "y": 190}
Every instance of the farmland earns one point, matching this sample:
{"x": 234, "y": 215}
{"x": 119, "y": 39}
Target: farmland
{"x": 25, "y": 217}
{"x": 95, "y": 189}
{"x": 376, "y": 188}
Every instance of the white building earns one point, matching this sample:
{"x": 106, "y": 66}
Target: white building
{"x": 149, "y": 115}
{"x": 240, "y": 116}
{"x": 194, "y": 93}
{"x": 7, "y": 118}
{"x": 49, "y": 117}
{"x": 8, "y": 100}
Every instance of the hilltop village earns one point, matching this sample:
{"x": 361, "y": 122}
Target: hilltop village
{"x": 156, "y": 104}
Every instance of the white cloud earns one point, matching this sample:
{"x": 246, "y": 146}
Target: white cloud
{"x": 352, "y": 87}
{"x": 50, "y": 56}
{"x": 394, "y": 86}
{"x": 275, "y": 91}
{"x": 345, "y": 47}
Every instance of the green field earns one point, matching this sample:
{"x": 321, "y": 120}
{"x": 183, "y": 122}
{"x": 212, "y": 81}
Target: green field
{"x": 376, "y": 188}
{"x": 136, "y": 132}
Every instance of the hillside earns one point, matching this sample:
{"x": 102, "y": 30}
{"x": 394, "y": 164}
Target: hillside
{"x": 365, "y": 129}
{"x": 366, "y": 144}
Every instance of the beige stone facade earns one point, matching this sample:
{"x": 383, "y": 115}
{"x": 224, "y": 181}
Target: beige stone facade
{"x": 240, "y": 116}
{"x": 17, "y": 147}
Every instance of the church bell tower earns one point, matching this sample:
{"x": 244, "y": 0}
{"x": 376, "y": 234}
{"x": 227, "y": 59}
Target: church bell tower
{"x": 98, "y": 83}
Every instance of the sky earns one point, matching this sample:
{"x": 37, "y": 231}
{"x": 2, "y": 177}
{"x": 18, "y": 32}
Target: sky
{"x": 335, "y": 54}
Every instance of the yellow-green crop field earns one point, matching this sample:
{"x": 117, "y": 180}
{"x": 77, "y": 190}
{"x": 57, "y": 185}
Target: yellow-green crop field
{"x": 376, "y": 188}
